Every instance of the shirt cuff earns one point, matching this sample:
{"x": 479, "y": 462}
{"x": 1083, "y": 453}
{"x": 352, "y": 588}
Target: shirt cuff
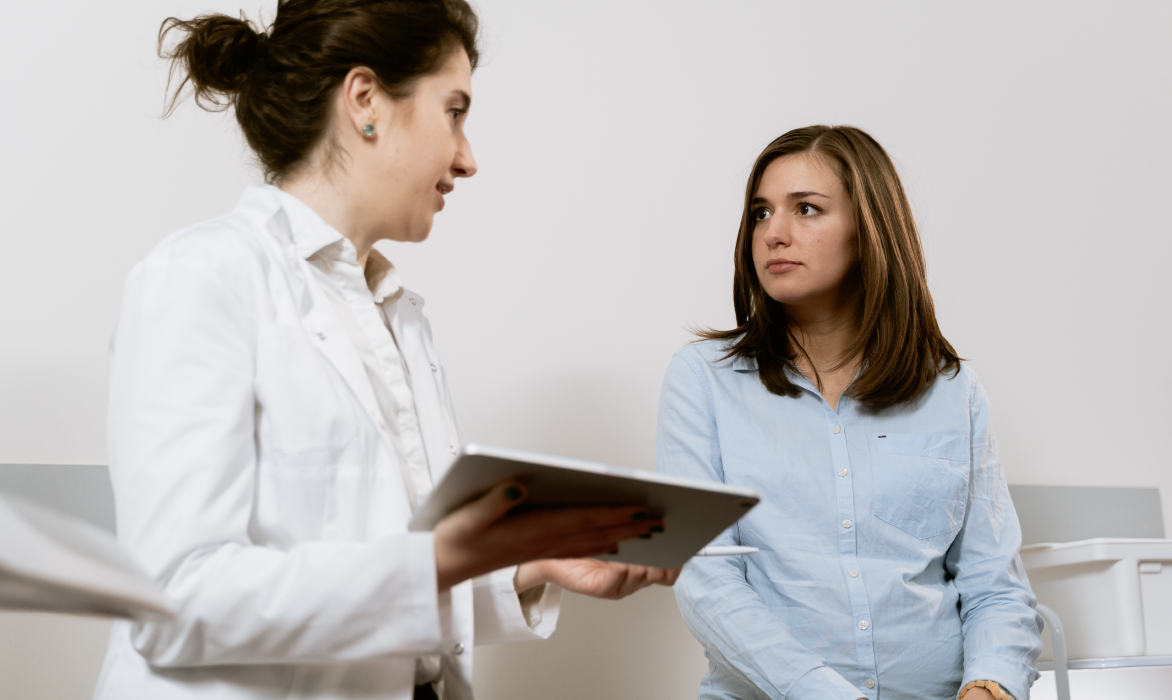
{"x": 993, "y": 687}
{"x": 824, "y": 683}
{"x": 503, "y": 615}
{"x": 1012, "y": 677}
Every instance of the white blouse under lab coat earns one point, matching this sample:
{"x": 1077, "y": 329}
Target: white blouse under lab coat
{"x": 255, "y": 480}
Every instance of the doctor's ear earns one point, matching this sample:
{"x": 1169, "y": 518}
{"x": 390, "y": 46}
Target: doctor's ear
{"x": 365, "y": 106}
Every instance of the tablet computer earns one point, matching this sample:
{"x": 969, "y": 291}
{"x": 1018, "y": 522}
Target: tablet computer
{"x": 694, "y": 512}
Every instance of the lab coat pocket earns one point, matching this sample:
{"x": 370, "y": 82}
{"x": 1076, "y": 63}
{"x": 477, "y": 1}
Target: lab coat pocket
{"x": 305, "y": 414}
{"x": 920, "y": 482}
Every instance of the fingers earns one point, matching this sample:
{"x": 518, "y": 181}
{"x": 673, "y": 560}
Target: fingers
{"x": 590, "y": 543}
{"x": 494, "y": 505}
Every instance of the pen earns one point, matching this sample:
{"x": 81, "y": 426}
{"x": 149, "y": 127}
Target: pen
{"x": 725, "y": 551}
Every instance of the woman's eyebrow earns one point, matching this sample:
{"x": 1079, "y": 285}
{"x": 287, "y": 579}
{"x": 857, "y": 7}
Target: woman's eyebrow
{"x": 803, "y": 195}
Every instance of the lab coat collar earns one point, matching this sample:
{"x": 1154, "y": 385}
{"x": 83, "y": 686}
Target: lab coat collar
{"x": 307, "y": 231}
{"x": 310, "y": 233}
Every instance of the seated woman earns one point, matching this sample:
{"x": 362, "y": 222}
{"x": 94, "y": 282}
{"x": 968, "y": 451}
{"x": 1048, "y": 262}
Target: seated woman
{"x": 888, "y": 562}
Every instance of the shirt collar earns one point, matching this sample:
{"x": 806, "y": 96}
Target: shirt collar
{"x": 382, "y": 277}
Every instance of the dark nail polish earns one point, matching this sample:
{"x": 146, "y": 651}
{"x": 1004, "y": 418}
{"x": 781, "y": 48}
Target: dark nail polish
{"x": 657, "y": 528}
{"x": 645, "y": 536}
{"x": 512, "y": 493}
{"x": 641, "y": 515}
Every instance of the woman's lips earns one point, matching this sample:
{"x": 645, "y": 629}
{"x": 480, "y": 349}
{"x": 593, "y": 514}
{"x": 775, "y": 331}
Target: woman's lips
{"x": 781, "y": 265}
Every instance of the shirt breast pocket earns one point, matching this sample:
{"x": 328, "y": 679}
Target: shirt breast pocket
{"x": 920, "y": 482}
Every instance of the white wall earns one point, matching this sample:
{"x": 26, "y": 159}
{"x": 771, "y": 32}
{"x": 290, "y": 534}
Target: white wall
{"x": 613, "y": 140}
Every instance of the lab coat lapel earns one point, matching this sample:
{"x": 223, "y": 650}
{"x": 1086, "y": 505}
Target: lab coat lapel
{"x": 317, "y": 316}
{"x": 322, "y": 324}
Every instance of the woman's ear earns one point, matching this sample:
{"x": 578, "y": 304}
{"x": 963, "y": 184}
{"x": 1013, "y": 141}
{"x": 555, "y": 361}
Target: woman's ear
{"x": 362, "y": 99}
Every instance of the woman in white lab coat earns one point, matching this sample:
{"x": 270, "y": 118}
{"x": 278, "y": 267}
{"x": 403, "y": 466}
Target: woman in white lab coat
{"x": 277, "y": 408}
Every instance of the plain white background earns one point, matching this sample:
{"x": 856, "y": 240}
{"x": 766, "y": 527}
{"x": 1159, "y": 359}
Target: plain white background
{"x": 614, "y": 139}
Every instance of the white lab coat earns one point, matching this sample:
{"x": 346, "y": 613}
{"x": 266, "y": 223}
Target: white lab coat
{"x": 252, "y": 481}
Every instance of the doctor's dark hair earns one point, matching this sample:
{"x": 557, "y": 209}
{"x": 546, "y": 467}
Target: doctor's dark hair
{"x": 899, "y": 341}
{"x": 280, "y": 79}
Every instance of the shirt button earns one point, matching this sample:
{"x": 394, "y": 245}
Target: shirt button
{"x": 837, "y": 429}
{"x": 452, "y": 448}
{"x": 378, "y": 300}
{"x": 863, "y": 624}
{"x": 412, "y": 300}
{"x": 842, "y": 472}
{"x": 854, "y": 573}
{"x": 458, "y": 649}
{"x": 434, "y": 368}
{"x": 870, "y": 682}
{"x": 321, "y": 336}
{"x": 846, "y": 523}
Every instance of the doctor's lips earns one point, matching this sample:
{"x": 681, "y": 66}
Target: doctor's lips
{"x": 443, "y": 188}
{"x": 781, "y": 265}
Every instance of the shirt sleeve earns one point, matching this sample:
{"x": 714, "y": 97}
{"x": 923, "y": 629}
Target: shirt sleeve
{"x": 739, "y": 632}
{"x": 183, "y": 461}
{"x": 504, "y": 616}
{"x": 1002, "y": 632}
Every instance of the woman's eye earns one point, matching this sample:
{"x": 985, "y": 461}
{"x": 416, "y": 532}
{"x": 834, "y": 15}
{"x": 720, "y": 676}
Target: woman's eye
{"x": 806, "y": 209}
{"x": 456, "y": 113}
{"x": 762, "y": 214}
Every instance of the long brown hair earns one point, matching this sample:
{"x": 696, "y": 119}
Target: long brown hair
{"x": 899, "y": 341}
{"x": 280, "y": 80}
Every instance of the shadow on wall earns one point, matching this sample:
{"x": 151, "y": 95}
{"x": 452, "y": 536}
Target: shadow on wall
{"x": 633, "y": 649}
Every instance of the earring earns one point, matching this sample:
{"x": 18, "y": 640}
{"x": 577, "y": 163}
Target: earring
{"x": 368, "y": 129}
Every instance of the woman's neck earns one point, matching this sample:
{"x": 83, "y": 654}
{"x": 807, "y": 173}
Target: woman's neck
{"x": 825, "y": 333}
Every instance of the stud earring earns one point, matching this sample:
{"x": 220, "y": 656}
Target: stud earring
{"x": 368, "y": 129}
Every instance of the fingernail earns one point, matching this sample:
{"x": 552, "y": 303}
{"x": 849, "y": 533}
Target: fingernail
{"x": 512, "y": 492}
{"x": 641, "y": 515}
{"x": 645, "y": 536}
{"x": 657, "y": 528}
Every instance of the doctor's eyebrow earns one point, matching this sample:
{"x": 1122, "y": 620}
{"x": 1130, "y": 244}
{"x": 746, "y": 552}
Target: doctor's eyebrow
{"x": 465, "y": 98}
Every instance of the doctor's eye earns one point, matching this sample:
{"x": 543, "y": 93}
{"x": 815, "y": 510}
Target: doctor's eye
{"x": 762, "y": 214}
{"x": 806, "y": 209}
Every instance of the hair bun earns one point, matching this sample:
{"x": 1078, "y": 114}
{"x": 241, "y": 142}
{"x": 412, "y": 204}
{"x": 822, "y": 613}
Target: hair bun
{"x": 218, "y": 53}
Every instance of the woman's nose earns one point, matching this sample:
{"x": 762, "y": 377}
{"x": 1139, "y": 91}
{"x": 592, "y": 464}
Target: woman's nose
{"x": 778, "y": 234}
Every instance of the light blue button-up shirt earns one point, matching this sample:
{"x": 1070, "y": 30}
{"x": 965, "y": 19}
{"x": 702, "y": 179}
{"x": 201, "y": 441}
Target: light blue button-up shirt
{"x": 888, "y": 566}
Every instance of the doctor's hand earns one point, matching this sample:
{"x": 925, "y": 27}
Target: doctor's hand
{"x": 600, "y": 579}
{"x": 485, "y": 535}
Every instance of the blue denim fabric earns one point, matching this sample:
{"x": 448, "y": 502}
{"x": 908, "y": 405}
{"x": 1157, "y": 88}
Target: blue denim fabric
{"x": 912, "y": 499}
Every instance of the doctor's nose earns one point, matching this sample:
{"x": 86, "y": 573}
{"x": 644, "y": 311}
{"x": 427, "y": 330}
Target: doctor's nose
{"x": 464, "y": 164}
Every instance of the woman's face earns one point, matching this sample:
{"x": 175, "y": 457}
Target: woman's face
{"x": 422, "y": 149}
{"x": 803, "y": 232}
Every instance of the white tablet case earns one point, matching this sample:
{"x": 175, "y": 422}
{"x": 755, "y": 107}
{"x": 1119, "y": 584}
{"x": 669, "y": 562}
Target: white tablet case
{"x": 694, "y": 512}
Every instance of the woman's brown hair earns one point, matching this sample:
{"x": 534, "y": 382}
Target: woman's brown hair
{"x": 280, "y": 80}
{"x": 899, "y": 342}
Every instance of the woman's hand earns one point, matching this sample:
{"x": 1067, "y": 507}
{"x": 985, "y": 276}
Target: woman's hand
{"x": 600, "y": 579}
{"x": 483, "y": 536}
